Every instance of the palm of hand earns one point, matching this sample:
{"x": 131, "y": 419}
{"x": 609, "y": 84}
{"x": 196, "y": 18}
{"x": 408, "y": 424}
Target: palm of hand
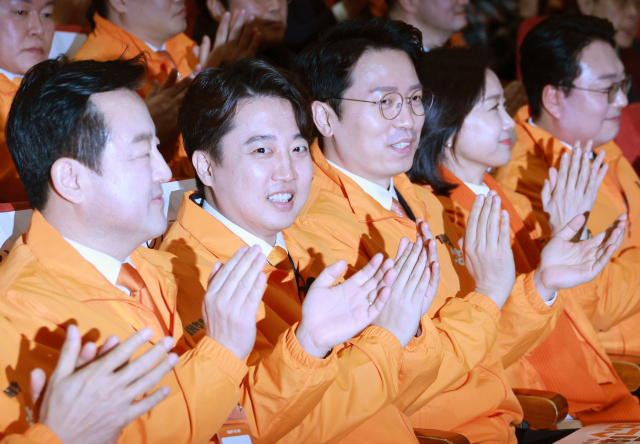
{"x": 567, "y": 264}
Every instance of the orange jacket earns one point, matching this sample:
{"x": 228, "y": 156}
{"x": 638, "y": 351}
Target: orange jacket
{"x": 11, "y": 189}
{"x": 36, "y": 434}
{"x": 527, "y": 372}
{"x": 45, "y": 284}
{"x": 617, "y": 295}
{"x": 109, "y": 42}
{"x": 467, "y": 398}
{"x": 369, "y": 364}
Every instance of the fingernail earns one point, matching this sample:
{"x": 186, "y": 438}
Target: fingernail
{"x": 173, "y": 358}
{"x": 165, "y": 390}
{"x": 168, "y": 342}
{"x": 72, "y": 331}
{"x": 147, "y": 333}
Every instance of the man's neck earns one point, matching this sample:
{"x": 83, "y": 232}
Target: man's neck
{"x": 552, "y": 125}
{"x": 431, "y": 37}
{"x": 147, "y": 37}
{"x": 332, "y": 155}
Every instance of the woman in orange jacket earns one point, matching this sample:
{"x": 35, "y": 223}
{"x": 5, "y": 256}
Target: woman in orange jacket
{"x": 466, "y": 132}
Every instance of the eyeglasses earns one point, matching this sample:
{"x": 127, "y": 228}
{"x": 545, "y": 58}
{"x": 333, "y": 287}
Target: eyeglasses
{"x": 419, "y": 101}
{"x": 612, "y": 91}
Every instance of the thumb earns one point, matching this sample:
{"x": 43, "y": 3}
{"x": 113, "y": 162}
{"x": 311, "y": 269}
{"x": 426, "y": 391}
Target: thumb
{"x": 572, "y": 228}
{"x": 38, "y": 380}
{"x": 330, "y": 274}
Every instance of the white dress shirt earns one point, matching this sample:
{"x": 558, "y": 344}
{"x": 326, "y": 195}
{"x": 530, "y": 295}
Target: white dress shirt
{"x": 163, "y": 48}
{"x": 9, "y": 75}
{"x": 106, "y": 265}
{"x": 381, "y": 195}
{"x": 248, "y": 238}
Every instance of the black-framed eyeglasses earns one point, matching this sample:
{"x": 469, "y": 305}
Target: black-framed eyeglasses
{"x": 612, "y": 91}
{"x": 420, "y": 101}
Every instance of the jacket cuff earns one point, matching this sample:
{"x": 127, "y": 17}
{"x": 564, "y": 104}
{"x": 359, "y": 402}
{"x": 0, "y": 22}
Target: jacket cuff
{"x": 42, "y": 434}
{"x": 484, "y": 302}
{"x": 386, "y": 338}
{"x": 299, "y": 355}
{"x": 533, "y": 297}
{"x": 229, "y": 363}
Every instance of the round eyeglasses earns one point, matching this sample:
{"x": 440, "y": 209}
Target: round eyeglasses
{"x": 420, "y": 101}
{"x": 612, "y": 91}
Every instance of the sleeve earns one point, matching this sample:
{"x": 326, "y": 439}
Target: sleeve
{"x": 36, "y": 434}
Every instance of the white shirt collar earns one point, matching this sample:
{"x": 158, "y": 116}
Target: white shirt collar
{"x": 380, "y": 194}
{"x": 163, "y": 48}
{"x": 478, "y": 189}
{"x": 243, "y": 234}
{"x": 108, "y": 266}
{"x": 530, "y": 122}
{"x": 9, "y": 75}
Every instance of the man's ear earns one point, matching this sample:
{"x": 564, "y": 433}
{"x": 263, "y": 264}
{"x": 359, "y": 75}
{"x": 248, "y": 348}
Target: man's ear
{"x": 323, "y": 114}
{"x": 69, "y": 180}
{"x": 409, "y": 6}
{"x": 203, "y": 167}
{"x": 119, "y": 6}
{"x": 216, "y": 9}
{"x": 586, "y": 6}
{"x": 551, "y": 99}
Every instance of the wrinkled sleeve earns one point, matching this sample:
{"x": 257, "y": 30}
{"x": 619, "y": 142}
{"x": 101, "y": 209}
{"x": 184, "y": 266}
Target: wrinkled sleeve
{"x": 36, "y": 434}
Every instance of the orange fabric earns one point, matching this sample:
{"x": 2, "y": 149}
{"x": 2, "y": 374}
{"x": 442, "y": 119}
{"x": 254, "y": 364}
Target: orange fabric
{"x": 471, "y": 395}
{"x": 367, "y": 381}
{"x": 109, "y": 42}
{"x": 46, "y": 284}
{"x": 11, "y": 189}
{"x": 36, "y": 434}
{"x": 571, "y": 360}
{"x": 617, "y": 292}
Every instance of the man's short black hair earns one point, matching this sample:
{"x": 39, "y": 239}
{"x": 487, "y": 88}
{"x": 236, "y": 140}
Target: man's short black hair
{"x": 550, "y": 53}
{"x": 325, "y": 67}
{"x": 52, "y": 117}
{"x": 210, "y": 104}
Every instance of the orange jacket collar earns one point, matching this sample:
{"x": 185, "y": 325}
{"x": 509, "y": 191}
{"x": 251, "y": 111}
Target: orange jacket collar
{"x": 179, "y": 47}
{"x": 63, "y": 261}
{"x": 365, "y": 207}
{"x": 552, "y": 147}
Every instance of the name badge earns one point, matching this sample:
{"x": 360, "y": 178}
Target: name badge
{"x": 235, "y": 429}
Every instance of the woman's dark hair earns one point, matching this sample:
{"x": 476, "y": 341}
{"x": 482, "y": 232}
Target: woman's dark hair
{"x": 209, "y": 107}
{"x": 550, "y": 53}
{"x": 457, "y": 78}
{"x": 52, "y": 116}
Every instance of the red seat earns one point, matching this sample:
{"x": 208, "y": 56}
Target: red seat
{"x": 523, "y": 29}
{"x": 629, "y": 136}
{"x": 16, "y": 206}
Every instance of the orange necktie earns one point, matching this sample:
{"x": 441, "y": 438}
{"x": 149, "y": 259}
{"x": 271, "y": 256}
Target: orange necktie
{"x": 130, "y": 279}
{"x": 397, "y": 208}
{"x": 279, "y": 258}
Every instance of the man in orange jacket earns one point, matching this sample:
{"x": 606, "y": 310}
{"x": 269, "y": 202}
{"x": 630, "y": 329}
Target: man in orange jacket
{"x": 75, "y": 393}
{"x": 247, "y": 130}
{"x": 26, "y": 34}
{"x": 125, "y": 29}
{"x": 369, "y": 117}
{"x": 93, "y": 175}
{"x": 576, "y": 86}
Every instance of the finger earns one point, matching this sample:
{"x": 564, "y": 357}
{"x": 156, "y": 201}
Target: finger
{"x": 139, "y": 367}
{"x": 38, "y": 381}
{"x": 389, "y": 277}
{"x": 205, "y": 50}
{"x": 120, "y": 355}
{"x": 236, "y": 279}
{"x": 87, "y": 354}
{"x": 553, "y": 178}
{"x": 111, "y": 342}
{"x": 223, "y": 31}
{"x": 170, "y": 80}
{"x": 155, "y": 87}
{"x": 574, "y": 168}
{"x": 472, "y": 225}
{"x": 216, "y": 268}
{"x": 404, "y": 242}
{"x": 255, "y": 295}
{"x": 246, "y": 34}
{"x": 399, "y": 263}
{"x": 236, "y": 28}
{"x": 505, "y": 231}
{"x": 379, "y": 298}
{"x": 572, "y": 228}
{"x": 404, "y": 273}
{"x": 584, "y": 175}
{"x": 330, "y": 274}
{"x": 423, "y": 226}
{"x": 247, "y": 282}
{"x": 367, "y": 272}
{"x": 419, "y": 279}
{"x": 68, "y": 354}
{"x": 563, "y": 174}
{"x": 601, "y": 173}
{"x": 382, "y": 270}
{"x": 147, "y": 403}
{"x": 256, "y": 38}
{"x": 493, "y": 222}
{"x": 483, "y": 220}
{"x": 223, "y": 272}
{"x": 545, "y": 194}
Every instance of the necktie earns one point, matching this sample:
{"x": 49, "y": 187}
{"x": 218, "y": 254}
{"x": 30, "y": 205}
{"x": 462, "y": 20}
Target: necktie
{"x": 166, "y": 57}
{"x": 130, "y": 279}
{"x": 397, "y": 209}
{"x": 279, "y": 258}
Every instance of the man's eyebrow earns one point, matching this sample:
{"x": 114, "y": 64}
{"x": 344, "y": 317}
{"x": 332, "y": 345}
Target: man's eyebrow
{"x": 387, "y": 89}
{"x": 268, "y": 137}
{"x": 24, "y": 1}
{"x": 144, "y": 137}
{"x": 297, "y": 136}
{"x": 610, "y": 76}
